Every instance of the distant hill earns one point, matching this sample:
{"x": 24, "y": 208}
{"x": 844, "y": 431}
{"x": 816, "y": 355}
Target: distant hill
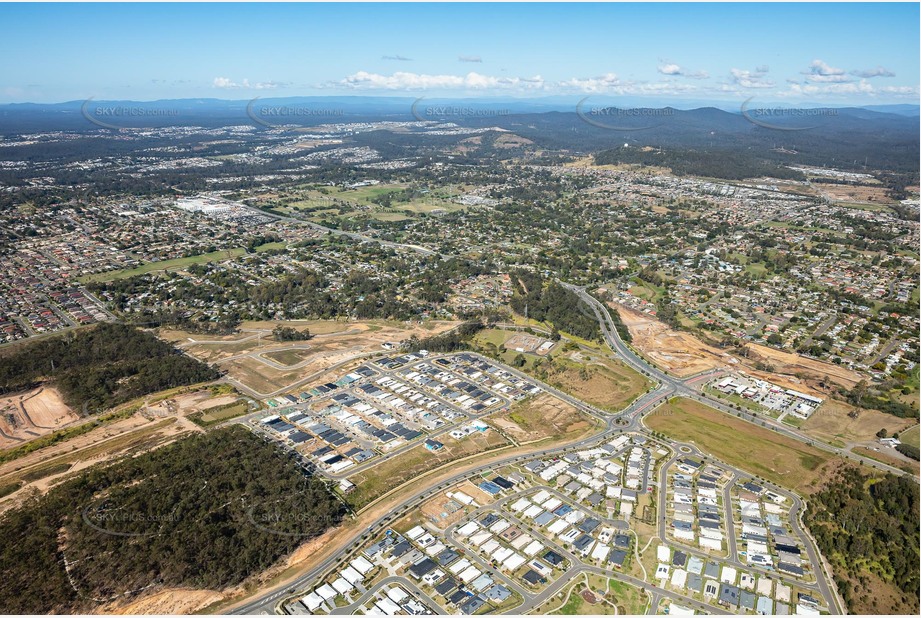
{"x": 875, "y": 137}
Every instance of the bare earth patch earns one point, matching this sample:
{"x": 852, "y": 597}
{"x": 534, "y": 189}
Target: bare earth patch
{"x": 684, "y": 354}
{"x": 30, "y": 414}
{"x": 171, "y": 601}
{"x": 266, "y": 367}
{"x": 833, "y": 421}
{"x": 543, "y": 416}
{"x": 675, "y": 351}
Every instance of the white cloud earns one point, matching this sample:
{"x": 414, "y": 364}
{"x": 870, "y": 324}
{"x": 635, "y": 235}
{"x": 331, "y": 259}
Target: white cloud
{"x": 874, "y": 72}
{"x": 669, "y": 69}
{"x": 402, "y": 80}
{"x": 862, "y": 87}
{"x": 751, "y": 79}
{"x": 820, "y": 72}
{"x": 469, "y": 59}
{"x": 603, "y": 83}
{"x": 672, "y": 69}
{"x": 228, "y": 84}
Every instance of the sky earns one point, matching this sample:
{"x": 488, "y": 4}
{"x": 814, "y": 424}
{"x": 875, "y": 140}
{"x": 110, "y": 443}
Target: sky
{"x": 823, "y": 53}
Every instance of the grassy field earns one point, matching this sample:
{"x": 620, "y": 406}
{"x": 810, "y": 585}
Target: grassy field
{"x": 395, "y": 471}
{"x": 612, "y": 598}
{"x": 604, "y": 383}
{"x": 583, "y": 373}
{"x": 883, "y": 457}
{"x": 290, "y": 357}
{"x": 178, "y": 263}
{"x": 219, "y": 414}
{"x": 629, "y": 599}
{"x": 761, "y": 451}
{"x": 911, "y": 436}
{"x": 646, "y": 290}
{"x": 175, "y": 264}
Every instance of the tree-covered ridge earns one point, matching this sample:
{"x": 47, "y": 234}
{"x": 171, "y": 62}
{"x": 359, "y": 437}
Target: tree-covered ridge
{"x": 206, "y": 512}
{"x": 712, "y": 163}
{"x": 101, "y": 367}
{"x": 550, "y": 302}
{"x": 868, "y": 528}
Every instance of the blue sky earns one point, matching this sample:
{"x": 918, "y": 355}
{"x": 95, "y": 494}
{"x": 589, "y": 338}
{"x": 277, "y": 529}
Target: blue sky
{"x": 822, "y": 53}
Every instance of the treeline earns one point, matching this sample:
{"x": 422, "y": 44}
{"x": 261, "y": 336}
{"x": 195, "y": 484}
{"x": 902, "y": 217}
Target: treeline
{"x": 909, "y": 450}
{"x": 863, "y": 395}
{"x": 205, "y": 512}
{"x": 289, "y": 333}
{"x": 869, "y": 527}
{"x": 451, "y": 341}
{"x": 101, "y": 367}
{"x": 551, "y": 302}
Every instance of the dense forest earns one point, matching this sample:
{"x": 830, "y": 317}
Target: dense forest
{"x": 711, "y": 163}
{"x": 206, "y": 512}
{"x": 100, "y": 367}
{"x": 548, "y": 301}
{"x": 868, "y": 530}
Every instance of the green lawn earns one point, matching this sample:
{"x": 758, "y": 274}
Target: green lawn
{"x": 912, "y": 436}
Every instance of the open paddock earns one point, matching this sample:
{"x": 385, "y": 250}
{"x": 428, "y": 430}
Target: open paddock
{"x": 761, "y": 451}
{"x": 395, "y": 471}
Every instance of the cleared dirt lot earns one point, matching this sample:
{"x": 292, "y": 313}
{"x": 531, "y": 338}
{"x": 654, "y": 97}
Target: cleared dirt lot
{"x": 30, "y": 414}
{"x": 39, "y": 471}
{"x": 852, "y": 193}
{"x": 263, "y": 365}
{"x": 684, "y": 355}
{"x": 435, "y": 508}
{"x": 151, "y": 426}
{"x": 674, "y": 351}
{"x": 544, "y": 416}
{"x": 811, "y": 370}
{"x": 171, "y": 601}
{"x": 832, "y": 423}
